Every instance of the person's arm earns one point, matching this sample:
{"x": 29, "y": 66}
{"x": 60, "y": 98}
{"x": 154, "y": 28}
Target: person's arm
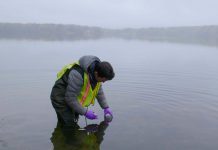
{"x": 104, "y": 105}
{"x": 75, "y": 83}
{"x": 101, "y": 98}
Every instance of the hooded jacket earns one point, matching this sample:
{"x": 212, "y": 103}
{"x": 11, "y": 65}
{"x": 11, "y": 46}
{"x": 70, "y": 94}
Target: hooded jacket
{"x": 65, "y": 91}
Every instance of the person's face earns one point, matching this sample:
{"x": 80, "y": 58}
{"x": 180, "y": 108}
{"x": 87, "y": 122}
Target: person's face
{"x": 100, "y": 79}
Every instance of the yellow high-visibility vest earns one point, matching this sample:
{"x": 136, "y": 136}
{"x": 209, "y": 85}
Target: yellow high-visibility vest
{"x": 87, "y": 95}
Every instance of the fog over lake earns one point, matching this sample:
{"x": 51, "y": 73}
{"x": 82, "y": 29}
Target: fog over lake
{"x": 164, "y": 53}
{"x": 113, "y": 13}
{"x": 164, "y": 95}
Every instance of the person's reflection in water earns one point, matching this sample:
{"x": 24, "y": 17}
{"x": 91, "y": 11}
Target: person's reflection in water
{"x": 75, "y": 138}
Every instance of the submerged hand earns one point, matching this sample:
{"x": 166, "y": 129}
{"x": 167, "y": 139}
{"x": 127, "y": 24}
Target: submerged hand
{"x": 92, "y": 128}
{"x": 91, "y": 115}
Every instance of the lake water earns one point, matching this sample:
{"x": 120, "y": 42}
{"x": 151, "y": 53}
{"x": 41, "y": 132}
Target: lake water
{"x": 164, "y": 96}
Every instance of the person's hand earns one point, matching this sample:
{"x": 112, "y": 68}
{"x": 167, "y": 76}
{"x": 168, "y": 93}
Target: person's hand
{"x": 108, "y": 111}
{"x": 91, "y": 115}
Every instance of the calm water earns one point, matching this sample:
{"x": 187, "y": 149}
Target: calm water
{"x": 164, "y": 96}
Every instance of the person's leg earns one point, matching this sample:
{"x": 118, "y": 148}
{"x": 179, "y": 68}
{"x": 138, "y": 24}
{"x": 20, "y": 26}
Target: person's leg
{"x": 60, "y": 120}
{"x": 67, "y": 117}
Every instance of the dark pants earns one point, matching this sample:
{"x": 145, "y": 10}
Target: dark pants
{"x": 67, "y": 117}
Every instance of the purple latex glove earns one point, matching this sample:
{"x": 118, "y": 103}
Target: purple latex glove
{"x": 108, "y": 111}
{"x": 91, "y": 115}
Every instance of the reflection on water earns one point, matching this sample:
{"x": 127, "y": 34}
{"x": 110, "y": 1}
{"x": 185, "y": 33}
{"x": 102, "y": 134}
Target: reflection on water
{"x": 76, "y": 138}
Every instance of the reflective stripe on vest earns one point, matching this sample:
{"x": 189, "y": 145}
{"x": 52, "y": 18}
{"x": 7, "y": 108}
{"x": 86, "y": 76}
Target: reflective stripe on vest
{"x": 87, "y": 95}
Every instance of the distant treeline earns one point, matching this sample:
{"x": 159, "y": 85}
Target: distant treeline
{"x": 207, "y": 35}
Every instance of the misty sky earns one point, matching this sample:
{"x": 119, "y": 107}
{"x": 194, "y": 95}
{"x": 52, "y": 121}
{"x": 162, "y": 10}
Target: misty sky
{"x": 112, "y": 13}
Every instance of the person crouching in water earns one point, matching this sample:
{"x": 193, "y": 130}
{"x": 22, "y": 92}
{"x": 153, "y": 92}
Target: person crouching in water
{"x": 77, "y": 86}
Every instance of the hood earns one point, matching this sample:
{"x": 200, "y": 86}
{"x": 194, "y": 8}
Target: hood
{"x": 86, "y": 61}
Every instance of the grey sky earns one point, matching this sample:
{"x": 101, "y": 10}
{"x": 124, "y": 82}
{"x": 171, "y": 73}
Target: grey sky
{"x": 112, "y": 13}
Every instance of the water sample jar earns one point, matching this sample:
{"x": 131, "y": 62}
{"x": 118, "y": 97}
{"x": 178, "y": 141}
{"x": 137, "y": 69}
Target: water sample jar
{"x": 108, "y": 117}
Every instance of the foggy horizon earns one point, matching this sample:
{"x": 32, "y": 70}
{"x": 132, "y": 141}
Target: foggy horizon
{"x": 112, "y": 14}
{"x": 118, "y": 28}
